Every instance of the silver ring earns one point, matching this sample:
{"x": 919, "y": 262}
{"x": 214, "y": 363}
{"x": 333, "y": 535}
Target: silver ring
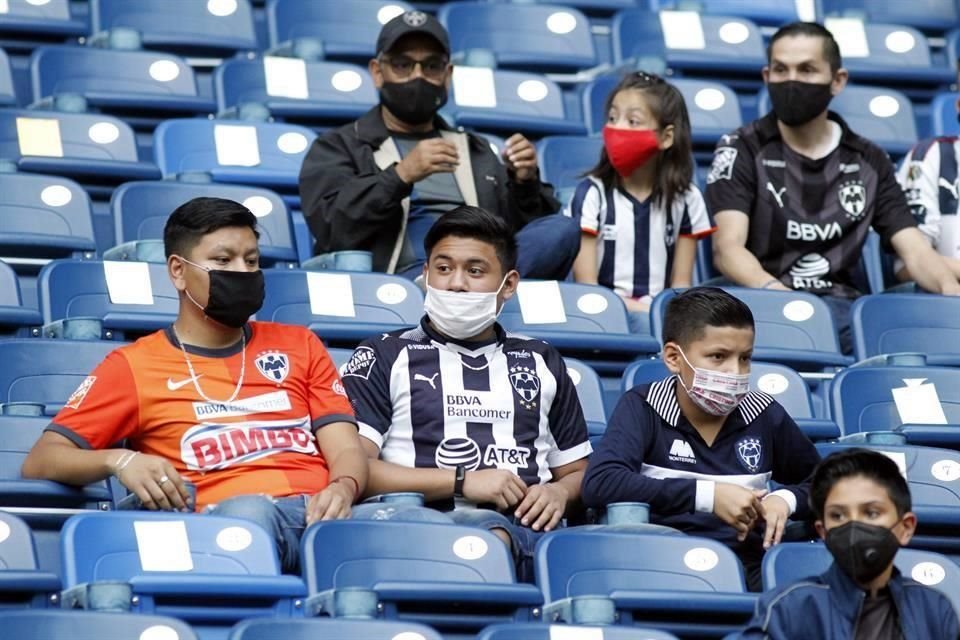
{"x": 162, "y": 479}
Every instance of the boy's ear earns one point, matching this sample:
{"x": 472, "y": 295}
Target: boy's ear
{"x": 906, "y": 529}
{"x": 821, "y": 530}
{"x": 671, "y": 357}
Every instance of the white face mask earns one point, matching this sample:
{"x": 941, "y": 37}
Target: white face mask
{"x": 715, "y": 392}
{"x": 461, "y": 314}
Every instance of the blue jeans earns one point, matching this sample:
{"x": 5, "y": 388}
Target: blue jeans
{"x": 523, "y": 540}
{"x": 284, "y": 519}
{"x": 639, "y": 322}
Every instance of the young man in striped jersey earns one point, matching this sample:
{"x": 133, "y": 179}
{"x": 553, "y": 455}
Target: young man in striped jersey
{"x": 485, "y": 424}
{"x": 701, "y": 448}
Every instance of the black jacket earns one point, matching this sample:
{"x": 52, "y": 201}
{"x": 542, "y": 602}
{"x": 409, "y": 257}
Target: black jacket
{"x": 350, "y": 203}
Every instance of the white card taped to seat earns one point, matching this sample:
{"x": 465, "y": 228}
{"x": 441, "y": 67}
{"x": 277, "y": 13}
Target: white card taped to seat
{"x": 237, "y": 145}
{"x": 331, "y": 294}
{"x": 163, "y": 546}
{"x": 541, "y": 302}
{"x": 128, "y": 282}
{"x": 286, "y": 77}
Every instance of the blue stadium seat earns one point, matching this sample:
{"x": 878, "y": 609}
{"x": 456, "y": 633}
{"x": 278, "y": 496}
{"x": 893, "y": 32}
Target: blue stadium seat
{"x": 681, "y": 584}
{"x": 44, "y": 625}
{"x": 897, "y": 55}
{"x": 139, "y": 81}
{"x": 8, "y": 94}
{"x": 37, "y": 497}
{"x": 790, "y": 562}
{"x": 932, "y": 475}
{"x": 535, "y": 631}
{"x": 943, "y": 115}
{"x": 44, "y": 217}
{"x": 141, "y": 209}
{"x": 90, "y": 146}
{"x": 783, "y": 383}
{"x": 14, "y": 316}
{"x": 929, "y": 15}
{"x": 771, "y": 13}
{"x": 341, "y": 308}
{"x": 592, "y": 325}
{"x": 883, "y": 116}
{"x": 793, "y": 328}
{"x": 731, "y": 44}
{"x": 33, "y": 22}
{"x": 862, "y": 400}
{"x": 22, "y": 584}
{"x": 525, "y": 102}
{"x": 338, "y": 30}
{"x": 521, "y": 36}
{"x": 332, "y": 92}
{"x": 139, "y": 300}
{"x": 36, "y": 371}
{"x": 264, "y": 154}
{"x": 217, "y": 27}
{"x": 317, "y": 629}
{"x": 471, "y": 576}
{"x": 564, "y": 160}
{"x": 207, "y": 570}
{"x": 590, "y": 394}
{"x": 898, "y": 323}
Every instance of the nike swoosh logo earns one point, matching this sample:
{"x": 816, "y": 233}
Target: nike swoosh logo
{"x": 173, "y": 386}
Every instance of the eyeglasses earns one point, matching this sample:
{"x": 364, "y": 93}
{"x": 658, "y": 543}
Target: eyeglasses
{"x": 433, "y": 67}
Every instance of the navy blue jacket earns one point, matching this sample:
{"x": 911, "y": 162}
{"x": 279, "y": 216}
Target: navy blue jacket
{"x": 828, "y": 606}
{"x": 651, "y": 453}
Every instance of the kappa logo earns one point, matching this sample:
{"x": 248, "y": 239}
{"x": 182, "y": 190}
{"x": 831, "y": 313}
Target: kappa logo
{"x": 526, "y": 383}
{"x": 681, "y": 451}
{"x": 415, "y": 18}
{"x": 778, "y": 194}
{"x": 750, "y": 453}
{"x": 853, "y": 198}
{"x": 432, "y": 380}
{"x": 722, "y": 167}
{"x": 273, "y": 365}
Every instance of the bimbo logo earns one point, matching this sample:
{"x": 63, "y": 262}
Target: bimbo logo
{"x": 206, "y": 447}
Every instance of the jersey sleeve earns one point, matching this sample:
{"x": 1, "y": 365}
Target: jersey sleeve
{"x": 327, "y": 397}
{"x": 794, "y": 459}
{"x": 104, "y": 409}
{"x": 565, "y": 418}
{"x": 367, "y": 379}
{"x": 731, "y": 183}
{"x": 696, "y": 222}
{"x": 586, "y": 207}
{"x": 918, "y": 177}
{"x": 893, "y": 215}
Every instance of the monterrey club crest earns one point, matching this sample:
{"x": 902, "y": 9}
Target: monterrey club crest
{"x": 273, "y": 365}
{"x": 526, "y": 383}
{"x": 415, "y": 18}
{"x": 853, "y": 198}
{"x": 750, "y": 454}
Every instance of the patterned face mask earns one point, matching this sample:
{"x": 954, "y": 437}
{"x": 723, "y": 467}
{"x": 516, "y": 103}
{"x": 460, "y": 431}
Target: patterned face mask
{"x": 715, "y": 392}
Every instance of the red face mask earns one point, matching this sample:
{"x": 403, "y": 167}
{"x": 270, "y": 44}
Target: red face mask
{"x": 629, "y": 149}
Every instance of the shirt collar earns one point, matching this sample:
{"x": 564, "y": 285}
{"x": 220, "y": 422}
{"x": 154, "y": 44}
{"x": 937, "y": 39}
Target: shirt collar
{"x": 662, "y": 397}
{"x": 768, "y": 130}
{"x": 468, "y": 347}
{"x": 371, "y": 129}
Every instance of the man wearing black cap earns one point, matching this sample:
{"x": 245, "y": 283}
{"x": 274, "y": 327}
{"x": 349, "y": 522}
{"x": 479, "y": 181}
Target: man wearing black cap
{"x": 379, "y": 183}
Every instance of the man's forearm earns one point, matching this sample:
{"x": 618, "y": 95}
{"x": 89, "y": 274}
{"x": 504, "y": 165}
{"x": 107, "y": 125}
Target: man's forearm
{"x": 386, "y": 477}
{"x": 572, "y": 483}
{"x": 351, "y": 462}
{"x": 743, "y": 268}
{"x": 69, "y": 464}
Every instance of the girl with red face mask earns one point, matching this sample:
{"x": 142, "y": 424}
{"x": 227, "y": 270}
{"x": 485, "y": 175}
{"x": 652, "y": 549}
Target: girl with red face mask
{"x": 640, "y": 213}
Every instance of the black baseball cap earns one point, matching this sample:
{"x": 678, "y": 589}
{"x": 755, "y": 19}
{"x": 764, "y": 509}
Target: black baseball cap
{"x": 412, "y": 22}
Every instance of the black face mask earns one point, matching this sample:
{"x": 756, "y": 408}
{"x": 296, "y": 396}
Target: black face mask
{"x": 862, "y": 550}
{"x": 415, "y": 101}
{"x": 797, "y": 103}
{"x": 234, "y": 295}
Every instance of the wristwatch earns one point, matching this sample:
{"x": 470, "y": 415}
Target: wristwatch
{"x": 460, "y": 473}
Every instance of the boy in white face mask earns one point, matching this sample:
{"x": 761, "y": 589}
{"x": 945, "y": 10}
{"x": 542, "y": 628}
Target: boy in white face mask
{"x": 699, "y": 447}
{"x": 485, "y": 424}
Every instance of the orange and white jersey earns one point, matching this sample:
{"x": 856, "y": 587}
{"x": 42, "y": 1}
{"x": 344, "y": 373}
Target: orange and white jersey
{"x": 261, "y": 442}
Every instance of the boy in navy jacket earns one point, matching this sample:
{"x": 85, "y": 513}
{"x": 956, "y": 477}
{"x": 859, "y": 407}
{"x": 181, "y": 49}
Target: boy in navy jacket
{"x": 701, "y": 448}
{"x": 862, "y": 506}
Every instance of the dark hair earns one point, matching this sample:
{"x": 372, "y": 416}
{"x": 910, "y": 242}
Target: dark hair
{"x": 690, "y": 312}
{"x": 476, "y": 224}
{"x": 674, "y": 165}
{"x": 196, "y": 218}
{"x": 853, "y": 462}
{"x": 831, "y": 50}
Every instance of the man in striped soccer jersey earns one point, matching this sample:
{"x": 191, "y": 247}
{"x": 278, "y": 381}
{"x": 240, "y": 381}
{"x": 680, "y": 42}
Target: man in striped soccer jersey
{"x": 485, "y": 424}
{"x": 252, "y": 413}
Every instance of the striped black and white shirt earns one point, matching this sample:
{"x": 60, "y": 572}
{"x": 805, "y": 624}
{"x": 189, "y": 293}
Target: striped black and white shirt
{"x": 430, "y": 402}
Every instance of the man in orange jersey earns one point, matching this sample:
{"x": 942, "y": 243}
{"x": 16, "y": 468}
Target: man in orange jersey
{"x": 252, "y": 413}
